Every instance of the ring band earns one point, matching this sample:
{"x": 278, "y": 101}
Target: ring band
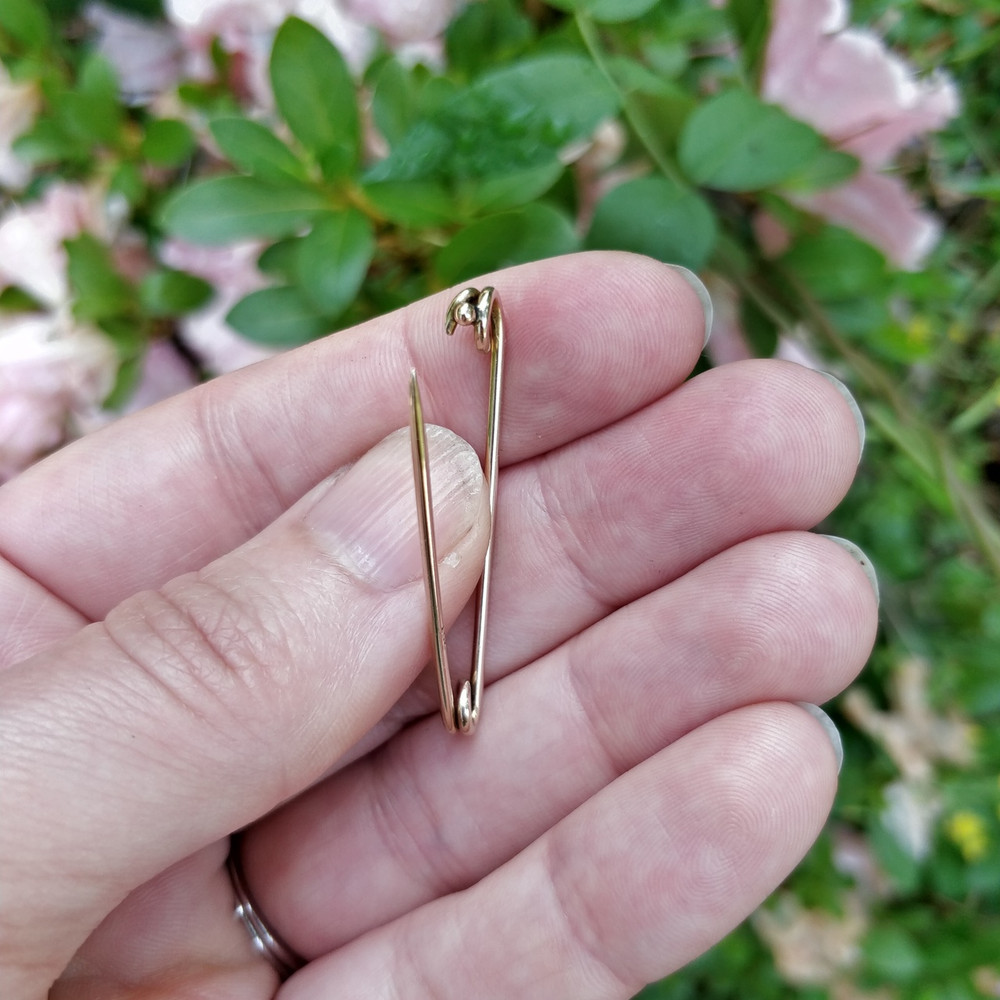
{"x": 265, "y": 942}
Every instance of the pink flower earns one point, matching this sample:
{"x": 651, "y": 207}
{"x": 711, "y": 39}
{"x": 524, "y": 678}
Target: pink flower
{"x": 405, "y": 20}
{"x": 233, "y": 272}
{"x": 164, "y": 374}
{"x": 245, "y": 29}
{"x": 844, "y": 83}
{"x": 53, "y": 372}
{"x": 146, "y": 55}
{"x": 31, "y": 237}
{"x": 18, "y": 107}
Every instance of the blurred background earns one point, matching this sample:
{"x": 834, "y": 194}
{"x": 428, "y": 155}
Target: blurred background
{"x": 187, "y": 187}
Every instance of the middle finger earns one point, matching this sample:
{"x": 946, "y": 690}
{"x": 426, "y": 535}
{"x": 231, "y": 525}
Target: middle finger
{"x": 785, "y": 617}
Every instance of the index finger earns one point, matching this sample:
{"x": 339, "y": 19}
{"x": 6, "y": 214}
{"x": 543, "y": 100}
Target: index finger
{"x": 591, "y": 338}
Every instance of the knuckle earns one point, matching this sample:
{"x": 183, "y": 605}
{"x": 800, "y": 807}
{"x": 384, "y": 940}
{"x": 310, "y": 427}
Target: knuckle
{"x": 212, "y": 647}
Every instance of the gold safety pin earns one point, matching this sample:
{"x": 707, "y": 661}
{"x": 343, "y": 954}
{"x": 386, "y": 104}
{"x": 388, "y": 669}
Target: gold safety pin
{"x": 481, "y": 311}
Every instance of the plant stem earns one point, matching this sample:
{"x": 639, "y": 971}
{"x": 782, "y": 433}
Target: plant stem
{"x": 640, "y": 127}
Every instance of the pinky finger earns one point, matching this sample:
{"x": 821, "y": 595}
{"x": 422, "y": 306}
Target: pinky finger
{"x": 637, "y": 882}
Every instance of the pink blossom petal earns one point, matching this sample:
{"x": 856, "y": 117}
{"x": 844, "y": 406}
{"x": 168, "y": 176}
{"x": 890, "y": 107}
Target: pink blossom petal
{"x": 405, "y": 20}
{"x": 245, "y": 29}
{"x": 146, "y": 55}
{"x": 937, "y": 102}
{"x": 19, "y": 103}
{"x": 798, "y": 29}
{"x": 728, "y": 342}
{"x": 847, "y": 85}
{"x": 50, "y": 370}
{"x": 233, "y": 272}
{"x": 881, "y": 210}
{"x": 772, "y": 237}
{"x": 30, "y": 425}
{"x": 31, "y": 236}
{"x": 164, "y": 374}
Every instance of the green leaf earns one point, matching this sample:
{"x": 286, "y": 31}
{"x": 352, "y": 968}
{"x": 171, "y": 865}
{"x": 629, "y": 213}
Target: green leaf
{"x": 280, "y": 260}
{"x": 901, "y": 867}
{"x": 127, "y": 380}
{"x": 486, "y": 33}
{"x": 149, "y": 9}
{"x": 165, "y": 292}
{"x": 607, "y": 11}
{"x": 127, "y": 182}
{"x": 830, "y": 168}
{"x": 761, "y": 331}
{"x": 511, "y": 119}
{"x": 314, "y": 92}
{"x": 333, "y": 260}
{"x": 736, "y": 142}
{"x": 48, "y": 142}
{"x": 99, "y": 291}
{"x": 530, "y": 233}
{"x": 168, "y": 142}
{"x": 26, "y": 22}
{"x": 17, "y": 300}
{"x": 414, "y": 204}
{"x": 505, "y": 191}
{"x": 751, "y": 21}
{"x": 279, "y": 317}
{"x": 255, "y": 149}
{"x": 224, "y": 209}
{"x": 91, "y": 113}
{"x": 395, "y": 101}
{"x": 987, "y": 187}
{"x": 836, "y": 265}
{"x": 656, "y": 217}
{"x": 892, "y": 955}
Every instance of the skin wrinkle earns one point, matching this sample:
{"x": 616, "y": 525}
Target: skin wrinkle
{"x": 582, "y": 925}
{"x": 224, "y": 445}
{"x": 574, "y": 547}
{"x": 32, "y": 618}
{"x": 597, "y": 731}
{"x": 416, "y": 848}
{"x": 407, "y": 959}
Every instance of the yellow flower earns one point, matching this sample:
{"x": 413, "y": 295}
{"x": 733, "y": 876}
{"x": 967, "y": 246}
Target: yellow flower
{"x": 968, "y": 831}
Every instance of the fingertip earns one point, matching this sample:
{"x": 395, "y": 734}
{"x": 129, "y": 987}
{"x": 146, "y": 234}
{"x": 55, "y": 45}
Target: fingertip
{"x": 829, "y": 728}
{"x": 852, "y": 404}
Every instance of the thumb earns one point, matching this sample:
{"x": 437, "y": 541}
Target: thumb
{"x": 194, "y": 709}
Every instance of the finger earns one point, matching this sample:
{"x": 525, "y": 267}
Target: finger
{"x": 786, "y": 617}
{"x": 738, "y": 451}
{"x": 174, "y": 935}
{"x": 742, "y": 450}
{"x": 32, "y": 617}
{"x": 194, "y": 709}
{"x": 635, "y": 883}
{"x": 590, "y": 339}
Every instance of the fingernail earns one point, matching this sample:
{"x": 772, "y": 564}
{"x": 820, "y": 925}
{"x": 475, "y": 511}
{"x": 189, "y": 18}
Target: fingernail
{"x": 859, "y": 420}
{"x": 860, "y": 558}
{"x": 829, "y": 728}
{"x": 368, "y": 518}
{"x": 702, "y": 292}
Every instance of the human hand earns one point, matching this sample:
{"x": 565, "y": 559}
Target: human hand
{"x": 641, "y": 777}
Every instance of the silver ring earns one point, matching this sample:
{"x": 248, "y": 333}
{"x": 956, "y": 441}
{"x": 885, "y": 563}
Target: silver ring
{"x": 266, "y": 943}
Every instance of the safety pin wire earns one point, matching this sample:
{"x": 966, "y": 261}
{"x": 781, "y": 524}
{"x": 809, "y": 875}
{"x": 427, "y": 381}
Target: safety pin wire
{"x": 482, "y": 311}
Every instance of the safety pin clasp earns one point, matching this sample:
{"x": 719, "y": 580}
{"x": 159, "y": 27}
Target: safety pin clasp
{"x": 480, "y": 310}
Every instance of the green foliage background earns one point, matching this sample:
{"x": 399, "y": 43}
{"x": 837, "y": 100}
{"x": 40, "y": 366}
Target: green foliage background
{"x": 474, "y": 178}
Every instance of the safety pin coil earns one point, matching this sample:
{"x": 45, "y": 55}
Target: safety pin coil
{"x": 480, "y": 310}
